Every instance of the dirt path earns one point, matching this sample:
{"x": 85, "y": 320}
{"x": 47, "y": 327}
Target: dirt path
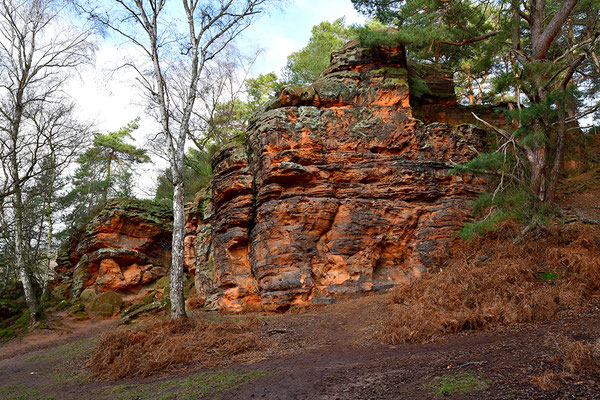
{"x": 325, "y": 353}
{"x": 503, "y": 360}
{"x": 69, "y": 330}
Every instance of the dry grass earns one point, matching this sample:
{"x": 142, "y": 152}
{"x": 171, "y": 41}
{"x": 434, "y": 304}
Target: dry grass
{"x": 574, "y": 357}
{"x": 493, "y": 281}
{"x": 165, "y": 345}
{"x": 195, "y": 302}
{"x": 549, "y": 380}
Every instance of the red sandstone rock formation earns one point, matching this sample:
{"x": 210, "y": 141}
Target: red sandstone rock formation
{"x": 340, "y": 190}
{"x": 125, "y": 247}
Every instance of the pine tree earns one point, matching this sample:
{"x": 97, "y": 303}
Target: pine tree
{"x": 537, "y": 53}
{"x": 104, "y": 170}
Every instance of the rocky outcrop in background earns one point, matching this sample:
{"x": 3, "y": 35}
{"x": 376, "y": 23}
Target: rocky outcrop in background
{"x": 124, "y": 248}
{"x": 340, "y": 190}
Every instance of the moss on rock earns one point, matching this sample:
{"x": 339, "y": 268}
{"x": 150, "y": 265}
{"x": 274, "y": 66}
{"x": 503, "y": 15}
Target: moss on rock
{"x": 106, "y": 303}
{"x": 87, "y": 295}
{"x": 64, "y": 304}
{"x": 132, "y": 312}
{"x": 79, "y": 277}
{"x": 147, "y": 210}
{"x": 61, "y": 292}
{"x": 76, "y": 308}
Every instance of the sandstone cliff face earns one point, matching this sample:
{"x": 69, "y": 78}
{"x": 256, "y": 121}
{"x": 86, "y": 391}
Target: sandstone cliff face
{"x": 125, "y": 247}
{"x": 340, "y": 191}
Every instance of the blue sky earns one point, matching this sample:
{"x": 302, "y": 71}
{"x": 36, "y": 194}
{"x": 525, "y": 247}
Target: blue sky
{"x": 284, "y": 31}
{"x": 111, "y": 101}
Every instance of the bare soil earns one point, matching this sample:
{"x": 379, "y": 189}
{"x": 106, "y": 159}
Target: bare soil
{"x": 322, "y": 353}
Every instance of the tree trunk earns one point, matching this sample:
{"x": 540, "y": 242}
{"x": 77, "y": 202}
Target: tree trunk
{"x": 18, "y": 210}
{"x": 20, "y": 265}
{"x": 50, "y": 237}
{"x": 537, "y": 161}
{"x": 556, "y": 168}
{"x": 177, "y": 250}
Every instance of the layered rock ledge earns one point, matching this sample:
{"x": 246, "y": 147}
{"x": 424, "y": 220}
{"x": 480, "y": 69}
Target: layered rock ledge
{"x": 343, "y": 187}
{"x": 339, "y": 191}
{"x": 124, "y": 248}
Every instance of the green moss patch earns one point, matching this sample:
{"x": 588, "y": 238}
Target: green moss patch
{"x": 14, "y": 326}
{"x": 61, "y": 292}
{"x": 147, "y": 210}
{"x": 462, "y": 383}
{"x": 63, "y": 305}
{"x": 106, "y": 303}
{"x": 87, "y": 296}
{"x": 189, "y": 388}
{"x": 76, "y": 308}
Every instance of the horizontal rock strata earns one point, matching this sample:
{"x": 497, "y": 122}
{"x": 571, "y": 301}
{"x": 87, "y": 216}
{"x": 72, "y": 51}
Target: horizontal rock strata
{"x": 340, "y": 190}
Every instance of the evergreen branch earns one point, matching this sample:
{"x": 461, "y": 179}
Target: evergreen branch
{"x": 571, "y": 71}
{"x": 473, "y": 40}
{"x": 524, "y": 16}
{"x": 572, "y": 49}
{"x": 582, "y": 114}
{"x": 520, "y": 56}
{"x": 460, "y": 168}
{"x": 495, "y": 128}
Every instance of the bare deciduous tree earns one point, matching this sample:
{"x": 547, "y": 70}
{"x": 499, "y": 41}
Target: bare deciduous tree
{"x": 38, "y": 48}
{"x": 175, "y": 55}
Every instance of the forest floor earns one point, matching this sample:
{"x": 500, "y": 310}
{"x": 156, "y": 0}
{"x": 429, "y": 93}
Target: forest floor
{"x": 322, "y": 353}
{"x": 330, "y": 352}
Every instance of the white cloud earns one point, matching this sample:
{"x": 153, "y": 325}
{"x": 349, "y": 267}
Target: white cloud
{"x": 112, "y": 100}
{"x": 280, "y": 33}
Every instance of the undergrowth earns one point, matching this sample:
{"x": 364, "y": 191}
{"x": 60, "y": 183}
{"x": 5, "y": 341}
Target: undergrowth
{"x": 572, "y": 358}
{"x": 14, "y": 326}
{"x": 492, "y": 280}
{"x": 493, "y": 210}
{"x": 165, "y": 345}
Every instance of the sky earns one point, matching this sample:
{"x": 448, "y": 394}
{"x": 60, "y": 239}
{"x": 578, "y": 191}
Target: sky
{"x": 110, "y": 99}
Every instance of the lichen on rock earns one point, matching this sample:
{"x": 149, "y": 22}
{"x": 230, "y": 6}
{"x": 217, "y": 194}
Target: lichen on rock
{"x": 106, "y": 304}
{"x": 340, "y": 190}
{"x": 124, "y": 248}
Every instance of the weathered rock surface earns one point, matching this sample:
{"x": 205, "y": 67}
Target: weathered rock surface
{"x": 340, "y": 190}
{"x": 124, "y": 248}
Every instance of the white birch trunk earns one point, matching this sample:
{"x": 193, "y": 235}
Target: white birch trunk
{"x": 177, "y": 250}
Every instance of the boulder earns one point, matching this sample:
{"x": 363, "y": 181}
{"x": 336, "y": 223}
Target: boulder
{"x": 76, "y": 308}
{"x": 87, "y": 296}
{"x": 106, "y": 303}
{"x": 124, "y": 248}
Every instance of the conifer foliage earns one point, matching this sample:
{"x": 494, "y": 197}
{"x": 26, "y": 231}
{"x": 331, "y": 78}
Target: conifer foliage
{"x": 104, "y": 170}
{"x": 540, "y": 58}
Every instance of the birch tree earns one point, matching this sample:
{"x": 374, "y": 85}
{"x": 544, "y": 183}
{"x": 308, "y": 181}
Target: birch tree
{"x": 176, "y": 41}
{"x": 38, "y": 48}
